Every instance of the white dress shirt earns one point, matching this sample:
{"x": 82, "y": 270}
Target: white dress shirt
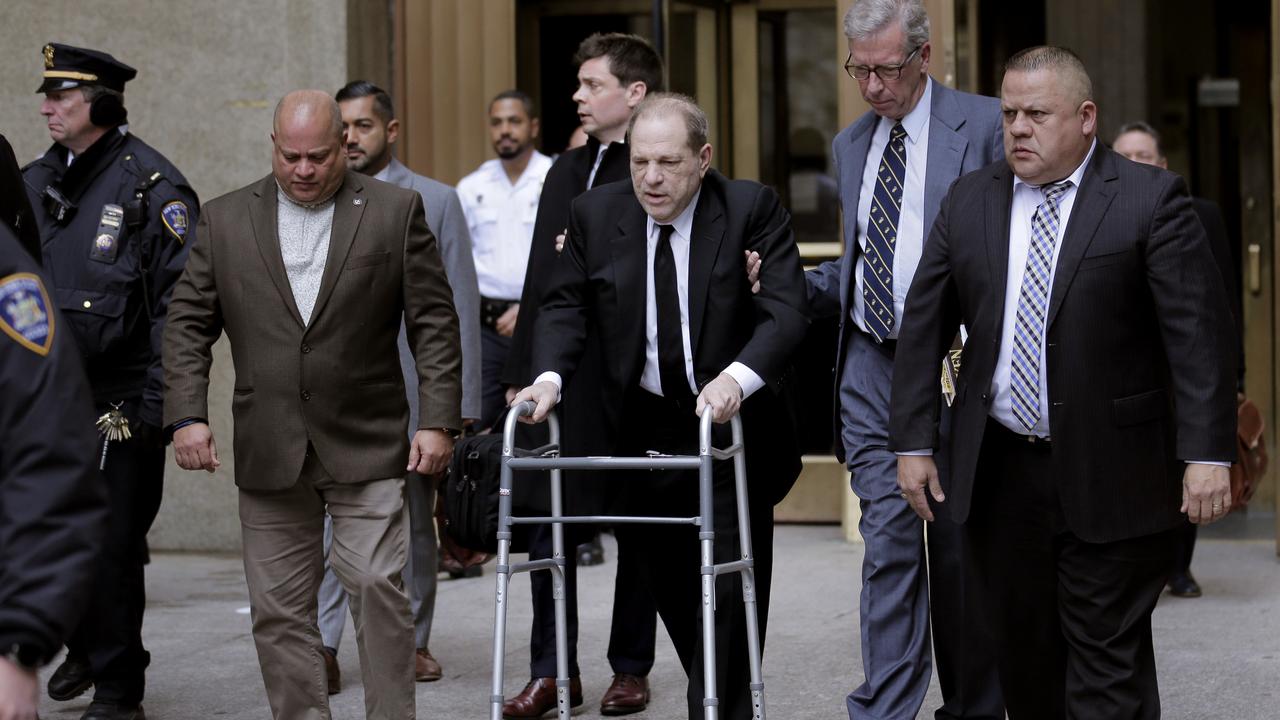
{"x": 651, "y": 378}
{"x": 910, "y": 241}
{"x": 1026, "y": 198}
{"x": 500, "y": 216}
{"x": 595, "y": 166}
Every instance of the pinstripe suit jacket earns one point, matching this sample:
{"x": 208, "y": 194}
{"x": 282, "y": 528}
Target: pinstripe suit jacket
{"x": 1139, "y": 360}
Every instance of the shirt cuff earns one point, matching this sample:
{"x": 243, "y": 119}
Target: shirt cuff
{"x": 169, "y": 431}
{"x": 915, "y": 453}
{"x": 1217, "y": 463}
{"x": 553, "y": 378}
{"x": 747, "y": 378}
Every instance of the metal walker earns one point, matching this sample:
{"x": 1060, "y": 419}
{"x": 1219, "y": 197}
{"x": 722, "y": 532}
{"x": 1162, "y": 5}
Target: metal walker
{"x": 547, "y": 458}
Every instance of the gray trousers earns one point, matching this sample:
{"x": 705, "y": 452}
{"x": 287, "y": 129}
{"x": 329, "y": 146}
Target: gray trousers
{"x": 895, "y": 609}
{"x": 419, "y": 570}
{"x": 283, "y": 564}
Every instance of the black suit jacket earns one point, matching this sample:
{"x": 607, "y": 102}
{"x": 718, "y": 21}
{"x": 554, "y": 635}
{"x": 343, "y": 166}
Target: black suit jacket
{"x": 566, "y": 180}
{"x": 598, "y": 290}
{"x": 1139, "y": 359}
{"x": 1216, "y": 229}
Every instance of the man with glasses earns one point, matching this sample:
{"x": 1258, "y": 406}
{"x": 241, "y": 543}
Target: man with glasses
{"x": 893, "y": 166}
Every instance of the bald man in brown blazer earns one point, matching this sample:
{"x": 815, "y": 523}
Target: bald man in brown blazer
{"x": 309, "y": 271}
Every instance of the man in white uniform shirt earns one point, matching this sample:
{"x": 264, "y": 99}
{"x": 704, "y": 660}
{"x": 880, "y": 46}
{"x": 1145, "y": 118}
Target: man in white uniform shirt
{"x": 500, "y": 200}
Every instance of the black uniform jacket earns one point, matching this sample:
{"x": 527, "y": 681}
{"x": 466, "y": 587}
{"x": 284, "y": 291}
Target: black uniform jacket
{"x": 113, "y": 258}
{"x": 52, "y": 502}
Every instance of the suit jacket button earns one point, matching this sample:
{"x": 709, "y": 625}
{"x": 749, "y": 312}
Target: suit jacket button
{"x": 306, "y": 348}
{"x": 306, "y": 394}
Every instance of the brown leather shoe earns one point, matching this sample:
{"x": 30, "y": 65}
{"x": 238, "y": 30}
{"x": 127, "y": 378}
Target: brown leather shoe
{"x": 626, "y": 694}
{"x": 425, "y": 667}
{"x": 332, "y": 671}
{"x": 539, "y": 697}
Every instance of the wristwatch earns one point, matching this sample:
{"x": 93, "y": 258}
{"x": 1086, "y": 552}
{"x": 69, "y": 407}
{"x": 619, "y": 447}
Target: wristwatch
{"x": 27, "y": 657}
{"x": 448, "y": 431}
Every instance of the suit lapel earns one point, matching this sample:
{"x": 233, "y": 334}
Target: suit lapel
{"x": 704, "y": 246}
{"x": 630, "y": 268}
{"x": 348, "y": 209}
{"x": 853, "y": 160}
{"x": 1092, "y": 200}
{"x": 262, "y": 218}
{"x": 996, "y": 217}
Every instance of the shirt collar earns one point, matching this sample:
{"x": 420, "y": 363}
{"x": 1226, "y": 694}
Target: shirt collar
{"x": 384, "y": 172}
{"x": 914, "y": 122}
{"x": 1075, "y": 177}
{"x": 319, "y": 205}
{"x": 683, "y": 223}
{"x": 498, "y": 174}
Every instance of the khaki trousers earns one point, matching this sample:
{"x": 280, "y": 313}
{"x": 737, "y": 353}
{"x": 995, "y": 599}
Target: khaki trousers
{"x": 284, "y": 562}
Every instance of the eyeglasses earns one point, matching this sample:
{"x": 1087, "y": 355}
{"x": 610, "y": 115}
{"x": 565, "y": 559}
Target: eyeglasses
{"x": 884, "y": 72}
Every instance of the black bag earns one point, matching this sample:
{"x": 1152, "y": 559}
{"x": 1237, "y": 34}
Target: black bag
{"x": 470, "y": 489}
{"x": 471, "y": 492}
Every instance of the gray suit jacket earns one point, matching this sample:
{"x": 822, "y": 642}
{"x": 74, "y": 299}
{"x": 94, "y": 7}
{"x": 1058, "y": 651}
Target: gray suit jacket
{"x": 965, "y": 134}
{"x": 447, "y": 223}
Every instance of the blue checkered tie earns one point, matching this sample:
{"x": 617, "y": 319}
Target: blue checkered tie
{"x": 882, "y": 236}
{"x": 1033, "y": 305}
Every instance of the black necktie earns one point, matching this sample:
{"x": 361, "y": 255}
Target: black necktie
{"x": 675, "y": 384}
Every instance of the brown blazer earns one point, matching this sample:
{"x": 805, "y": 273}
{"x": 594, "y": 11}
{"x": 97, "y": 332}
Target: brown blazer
{"x": 336, "y": 383}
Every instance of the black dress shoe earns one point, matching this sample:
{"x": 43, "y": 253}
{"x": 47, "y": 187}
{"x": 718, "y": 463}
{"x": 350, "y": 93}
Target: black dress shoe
{"x": 1183, "y": 585}
{"x": 100, "y": 710}
{"x": 71, "y": 679}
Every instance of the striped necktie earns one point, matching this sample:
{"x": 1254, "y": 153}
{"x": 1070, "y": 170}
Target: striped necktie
{"x": 882, "y": 237}
{"x": 1033, "y": 305}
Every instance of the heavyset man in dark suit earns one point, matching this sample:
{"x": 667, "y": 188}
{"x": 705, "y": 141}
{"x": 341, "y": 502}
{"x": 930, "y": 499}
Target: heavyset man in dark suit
{"x": 652, "y": 271}
{"x": 309, "y": 271}
{"x": 893, "y": 166}
{"x": 1096, "y": 403}
{"x": 615, "y": 72}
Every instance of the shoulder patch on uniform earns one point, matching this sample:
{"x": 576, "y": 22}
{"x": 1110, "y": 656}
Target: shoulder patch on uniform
{"x": 24, "y": 312}
{"x": 175, "y": 218}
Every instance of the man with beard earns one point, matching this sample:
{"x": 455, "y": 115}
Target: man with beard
{"x": 500, "y": 200}
{"x": 368, "y": 118}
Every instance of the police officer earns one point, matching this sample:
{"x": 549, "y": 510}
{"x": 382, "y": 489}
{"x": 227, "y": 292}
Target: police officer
{"x": 114, "y": 218}
{"x": 52, "y": 504}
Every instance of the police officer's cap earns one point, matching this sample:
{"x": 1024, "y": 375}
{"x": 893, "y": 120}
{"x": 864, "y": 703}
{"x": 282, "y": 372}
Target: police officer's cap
{"x": 67, "y": 67}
